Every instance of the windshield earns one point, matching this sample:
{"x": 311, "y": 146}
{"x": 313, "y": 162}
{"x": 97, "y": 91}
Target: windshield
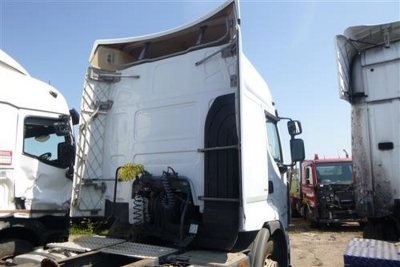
{"x": 335, "y": 173}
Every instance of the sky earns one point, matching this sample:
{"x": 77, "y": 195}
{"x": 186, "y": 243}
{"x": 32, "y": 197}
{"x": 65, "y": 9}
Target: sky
{"x": 291, "y": 43}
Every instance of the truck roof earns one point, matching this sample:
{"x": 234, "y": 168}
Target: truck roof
{"x": 368, "y": 36}
{"x": 8, "y": 62}
{"x": 20, "y": 90}
{"x": 326, "y": 160}
{"x": 357, "y": 39}
{"x": 125, "y": 52}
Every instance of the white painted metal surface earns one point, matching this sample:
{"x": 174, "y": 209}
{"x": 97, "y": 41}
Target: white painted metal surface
{"x": 159, "y": 106}
{"x": 369, "y": 78}
{"x": 40, "y": 186}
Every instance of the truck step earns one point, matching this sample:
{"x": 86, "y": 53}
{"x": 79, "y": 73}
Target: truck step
{"x": 140, "y": 251}
{"x": 114, "y": 246}
{"x": 86, "y": 243}
{"x": 371, "y": 253}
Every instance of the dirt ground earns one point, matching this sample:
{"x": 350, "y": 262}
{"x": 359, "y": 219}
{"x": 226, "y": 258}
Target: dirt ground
{"x": 320, "y": 247}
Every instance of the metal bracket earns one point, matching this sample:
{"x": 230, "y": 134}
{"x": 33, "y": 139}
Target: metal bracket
{"x": 212, "y": 55}
{"x": 98, "y": 75}
{"x": 234, "y": 80}
{"x": 104, "y": 105}
{"x": 202, "y": 150}
{"x": 386, "y": 37}
{"x": 229, "y": 51}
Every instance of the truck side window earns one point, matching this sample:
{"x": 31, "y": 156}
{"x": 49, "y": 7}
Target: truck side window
{"x": 41, "y": 141}
{"x": 309, "y": 175}
{"x": 274, "y": 144}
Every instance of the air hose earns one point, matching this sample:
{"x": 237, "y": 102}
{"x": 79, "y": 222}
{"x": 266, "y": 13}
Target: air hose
{"x": 168, "y": 199}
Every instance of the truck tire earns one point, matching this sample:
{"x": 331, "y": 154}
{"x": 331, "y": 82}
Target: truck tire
{"x": 295, "y": 209}
{"x": 265, "y": 251}
{"x": 384, "y": 229}
{"x": 373, "y": 230}
{"x": 10, "y": 248}
{"x": 308, "y": 215}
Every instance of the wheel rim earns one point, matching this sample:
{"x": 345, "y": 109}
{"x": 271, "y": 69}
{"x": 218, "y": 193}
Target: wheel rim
{"x": 271, "y": 254}
{"x": 269, "y": 250}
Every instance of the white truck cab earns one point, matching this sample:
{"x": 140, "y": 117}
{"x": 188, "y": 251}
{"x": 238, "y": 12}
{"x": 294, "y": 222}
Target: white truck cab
{"x": 188, "y": 106}
{"x": 179, "y": 150}
{"x": 368, "y": 59}
{"x": 36, "y": 160}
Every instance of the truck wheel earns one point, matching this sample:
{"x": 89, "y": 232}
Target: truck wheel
{"x": 265, "y": 251}
{"x": 373, "y": 230}
{"x": 309, "y": 217}
{"x": 10, "y": 248}
{"x": 382, "y": 230}
{"x": 295, "y": 212}
{"x": 314, "y": 224}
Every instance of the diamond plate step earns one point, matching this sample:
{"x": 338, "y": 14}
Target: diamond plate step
{"x": 140, "y": 251}
{"x": 86, "y": 243}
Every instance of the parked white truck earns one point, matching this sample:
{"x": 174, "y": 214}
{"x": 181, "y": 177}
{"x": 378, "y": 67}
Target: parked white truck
{"x": 368, "y": 60}
{"x": 369, "y": 78}
{"x": 36, "y": 161}
{"x": 179, "y": 148}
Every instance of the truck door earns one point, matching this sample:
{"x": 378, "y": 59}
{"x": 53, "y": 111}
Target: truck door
{"x": 308, "y": 182}
{"x": 42, "y": 186}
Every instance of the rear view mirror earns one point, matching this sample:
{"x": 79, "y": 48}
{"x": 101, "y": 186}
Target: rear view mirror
{"x": 294, "y": 127}
{"x": 74, "y": 116}
{"x": 66, "y": 154}
{"x": 297, "y": 149}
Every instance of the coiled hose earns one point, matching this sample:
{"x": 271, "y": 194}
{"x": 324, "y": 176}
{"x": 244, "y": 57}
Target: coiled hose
{"x": 138, "y": 208}
{"x": 168, "y": 199}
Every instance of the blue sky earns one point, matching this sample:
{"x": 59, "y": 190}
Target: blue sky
{"x": 291, "y": 43}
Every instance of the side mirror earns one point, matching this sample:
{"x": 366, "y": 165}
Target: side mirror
{"x": 66, "y": 154}
{"x": 297, "y": 151}
{"x": 74, "y": 116}
{"x": 294, "y": 127}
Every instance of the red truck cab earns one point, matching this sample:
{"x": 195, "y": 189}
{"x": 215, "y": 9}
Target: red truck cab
{"x": 327, "y": 191}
